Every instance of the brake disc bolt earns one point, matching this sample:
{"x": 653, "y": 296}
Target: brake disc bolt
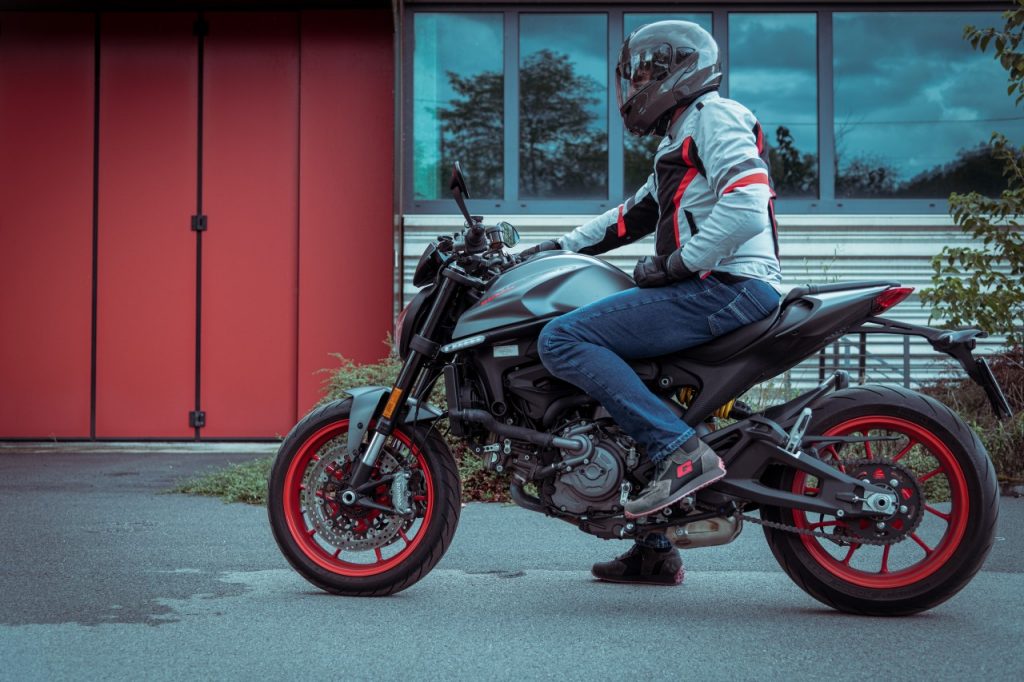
{"x": 880, "y": 526}
{"x": 894, "y": 483}
{"x": 840, "y": 513}
{"x": 903, "y": 509}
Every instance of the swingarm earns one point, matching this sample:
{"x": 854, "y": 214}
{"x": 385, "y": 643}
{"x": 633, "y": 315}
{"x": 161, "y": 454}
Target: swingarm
{"x": 762, "y": 443}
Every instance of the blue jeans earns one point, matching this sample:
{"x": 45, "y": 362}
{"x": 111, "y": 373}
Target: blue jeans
{"x": 589, "y": 347}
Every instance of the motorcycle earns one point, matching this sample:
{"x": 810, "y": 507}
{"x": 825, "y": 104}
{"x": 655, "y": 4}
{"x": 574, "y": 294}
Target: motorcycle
{"x": 874, "y": 499}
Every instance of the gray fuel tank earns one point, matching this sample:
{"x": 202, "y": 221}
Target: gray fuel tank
{"x": 550, "y": 284}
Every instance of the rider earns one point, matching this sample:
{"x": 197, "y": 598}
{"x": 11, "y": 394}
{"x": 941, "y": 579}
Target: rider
{"x": 709, "y": 203}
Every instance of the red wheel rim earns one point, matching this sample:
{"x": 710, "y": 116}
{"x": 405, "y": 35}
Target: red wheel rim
{"x": 304, "y": 533}
{"x": 935, "y": 555}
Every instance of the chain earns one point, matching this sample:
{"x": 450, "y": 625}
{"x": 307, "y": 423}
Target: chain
{"x": 815, "y": 533}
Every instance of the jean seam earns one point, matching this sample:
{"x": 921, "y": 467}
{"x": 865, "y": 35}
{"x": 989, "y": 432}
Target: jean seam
{"x": 640, "y": 304}
{"x": 757, "y": 305}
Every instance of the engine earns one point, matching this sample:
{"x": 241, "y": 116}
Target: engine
{"x": 595, "y": 483}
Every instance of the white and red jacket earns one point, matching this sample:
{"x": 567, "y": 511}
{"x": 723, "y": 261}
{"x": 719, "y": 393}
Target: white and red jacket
{"x": 710, "y": 195}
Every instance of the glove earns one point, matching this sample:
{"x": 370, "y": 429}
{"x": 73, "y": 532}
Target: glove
{"x": 657, "y": 271}
{"x": 547, "y": 245}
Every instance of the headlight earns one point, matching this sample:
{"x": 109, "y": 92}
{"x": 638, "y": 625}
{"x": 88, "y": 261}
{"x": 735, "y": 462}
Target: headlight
{"x": 426, "y": 269}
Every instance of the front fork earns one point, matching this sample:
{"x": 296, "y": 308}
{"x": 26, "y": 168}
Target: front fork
{"x": 421, "y": 349}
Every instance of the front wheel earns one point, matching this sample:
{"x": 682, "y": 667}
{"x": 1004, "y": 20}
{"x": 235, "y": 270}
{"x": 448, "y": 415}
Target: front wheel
{"x": 917, "y": 557}
{"x": 368, "y": 549}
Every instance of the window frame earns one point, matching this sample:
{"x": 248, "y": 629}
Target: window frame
{"x": 511, "y": 204}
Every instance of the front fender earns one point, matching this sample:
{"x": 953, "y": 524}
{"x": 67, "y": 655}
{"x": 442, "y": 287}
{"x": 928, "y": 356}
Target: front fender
{"x": 367, "y": 401}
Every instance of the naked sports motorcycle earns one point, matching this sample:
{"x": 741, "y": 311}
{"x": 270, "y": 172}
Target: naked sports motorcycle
{"x": 874, "y": 499}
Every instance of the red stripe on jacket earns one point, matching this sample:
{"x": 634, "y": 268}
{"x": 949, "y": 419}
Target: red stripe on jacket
{"x": 621, "y": 223}
{"x": 755, "y": 179}
{"x": 688, "y": 177}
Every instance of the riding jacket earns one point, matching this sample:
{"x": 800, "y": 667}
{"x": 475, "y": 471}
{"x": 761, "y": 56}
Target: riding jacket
{"x": 710, "y": 195}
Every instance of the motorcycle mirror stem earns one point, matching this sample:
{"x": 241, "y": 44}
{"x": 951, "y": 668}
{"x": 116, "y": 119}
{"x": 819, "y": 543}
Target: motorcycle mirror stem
{"x": 475, "y": 239}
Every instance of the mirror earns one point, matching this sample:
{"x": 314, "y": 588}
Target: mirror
{"x": 459, "y": 180}
{"x": 459, "y": 191}
{"x": 509, "y": 234}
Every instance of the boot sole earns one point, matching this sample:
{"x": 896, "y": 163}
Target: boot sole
{"x": 700, "y": 483}
{"x": 677, "y": 580}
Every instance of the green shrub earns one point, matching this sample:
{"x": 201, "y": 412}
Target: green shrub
{"x": 477, "y": 482}
{"x": 1004, "y": 439}
{"x": 245, "y": 482}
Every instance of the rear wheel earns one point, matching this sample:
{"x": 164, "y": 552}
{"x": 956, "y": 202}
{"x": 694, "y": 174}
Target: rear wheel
{"x": 367, "y": 548}
{"x": 915, "y": 558}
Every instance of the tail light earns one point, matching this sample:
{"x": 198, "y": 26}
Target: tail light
{"x": 889, "y": 298}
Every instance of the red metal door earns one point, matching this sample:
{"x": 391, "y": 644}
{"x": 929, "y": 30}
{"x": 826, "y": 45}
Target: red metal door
{"x": 346, "y": 247}
{"x": 46, "y": 188}
{"x": 250, "y": 251}
{"x": 145, "y": 352}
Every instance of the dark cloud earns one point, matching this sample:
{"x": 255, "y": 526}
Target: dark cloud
{"x": 868, "y": 42}
{"x": 776, "y": 41}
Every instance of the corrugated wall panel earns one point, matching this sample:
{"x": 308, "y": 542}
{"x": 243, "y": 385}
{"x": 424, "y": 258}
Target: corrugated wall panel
{"x": 147, "y": 251}
{"x": 346, "y": 252}
{"x": 46, "y": 198}
{"x": 250, "y": 194}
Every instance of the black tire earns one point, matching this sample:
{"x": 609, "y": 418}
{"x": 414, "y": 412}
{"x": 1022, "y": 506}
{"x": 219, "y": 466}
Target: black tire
{"x": 314, "y": 452}
{"x": 966, "y": 537}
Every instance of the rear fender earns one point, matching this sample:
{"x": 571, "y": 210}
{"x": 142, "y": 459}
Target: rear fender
{"x": 368, "y": 401}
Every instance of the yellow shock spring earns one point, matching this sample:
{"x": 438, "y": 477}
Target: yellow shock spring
{"x": 688, "y": 393}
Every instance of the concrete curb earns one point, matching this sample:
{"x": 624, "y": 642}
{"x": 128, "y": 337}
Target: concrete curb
{"x": 153, "y": 448}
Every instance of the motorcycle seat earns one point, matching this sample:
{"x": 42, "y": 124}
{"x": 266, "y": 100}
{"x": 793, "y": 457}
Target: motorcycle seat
{"x": 726, "y": 346}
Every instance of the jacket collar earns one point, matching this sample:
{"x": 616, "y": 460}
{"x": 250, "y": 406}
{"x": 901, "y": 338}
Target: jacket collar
{"x": 679, "y": 120}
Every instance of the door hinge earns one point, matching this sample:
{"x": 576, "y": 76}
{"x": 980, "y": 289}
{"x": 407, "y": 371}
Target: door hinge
{"x": 197, "y": 419}
{"x": 199, "y": 223}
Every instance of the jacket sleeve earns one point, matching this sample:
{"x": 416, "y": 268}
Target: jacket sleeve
{"x": 635, "y": 218}
{"x": 731, "y": 144}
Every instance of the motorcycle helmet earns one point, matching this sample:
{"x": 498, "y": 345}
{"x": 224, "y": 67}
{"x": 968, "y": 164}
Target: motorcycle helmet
{"x": 664, "y": 66}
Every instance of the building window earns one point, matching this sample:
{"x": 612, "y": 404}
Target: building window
{"x": 864, "y": 112}
{"x": 915, "y": 105}
{"x": 638, "y": 152}
{"x": 563, "y": 106}
{"x": 458, "y": 102}
{"x": 773, "y": 71}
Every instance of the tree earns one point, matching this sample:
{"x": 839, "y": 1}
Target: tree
{"x": 471, "y": 132}
{"x": 560, "y": 151}
{"x": 982, "y": 285}
{"x": 866, "y": 177}
{"x": 793, "y": 174}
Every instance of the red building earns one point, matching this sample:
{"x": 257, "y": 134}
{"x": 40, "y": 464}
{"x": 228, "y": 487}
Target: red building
{"x": 196, "y": 210}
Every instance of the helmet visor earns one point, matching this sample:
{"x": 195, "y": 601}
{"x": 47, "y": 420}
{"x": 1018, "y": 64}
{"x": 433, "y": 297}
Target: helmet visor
{"x": 640, "y": 66}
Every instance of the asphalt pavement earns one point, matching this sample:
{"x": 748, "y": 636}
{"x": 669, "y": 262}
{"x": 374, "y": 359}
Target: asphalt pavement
{"x": 104, "y": 575}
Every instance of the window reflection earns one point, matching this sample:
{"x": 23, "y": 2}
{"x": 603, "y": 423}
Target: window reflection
{"x": 638, "y": 152}
{"x": 458, "y": 103}
{"x": 915, "y": 105}
{"x": 563, "y": 106}
{"x": 773, "y": 72}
